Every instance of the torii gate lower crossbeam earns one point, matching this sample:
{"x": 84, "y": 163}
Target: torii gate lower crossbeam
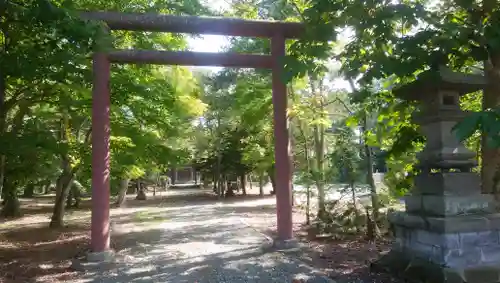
{"x": 100, "y": 234}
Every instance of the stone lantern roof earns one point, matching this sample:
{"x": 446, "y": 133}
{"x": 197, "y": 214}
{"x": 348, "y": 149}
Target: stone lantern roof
{"x": 441, "y": 79}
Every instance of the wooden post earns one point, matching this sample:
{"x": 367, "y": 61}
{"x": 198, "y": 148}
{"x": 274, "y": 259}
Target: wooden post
{"x": 100, "y": 153}
{"x": 281, "y": 143}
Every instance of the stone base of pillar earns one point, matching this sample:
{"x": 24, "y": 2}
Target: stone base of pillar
{"x": 451, "y": 249}
{"x": 106, "y": 256}
{"x": 284, "y": 245}
{"x": 94, "y": 261}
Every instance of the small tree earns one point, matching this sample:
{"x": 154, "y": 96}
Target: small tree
{"x": 349, "y": 169}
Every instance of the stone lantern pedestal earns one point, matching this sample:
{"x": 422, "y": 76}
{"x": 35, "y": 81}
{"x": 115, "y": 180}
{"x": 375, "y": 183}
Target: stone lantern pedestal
{"x": 449, "y": 231}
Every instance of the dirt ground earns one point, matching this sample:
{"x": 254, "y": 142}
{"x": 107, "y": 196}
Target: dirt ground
{"x": 31, "y": 252}
{"x": 345, "y": 260}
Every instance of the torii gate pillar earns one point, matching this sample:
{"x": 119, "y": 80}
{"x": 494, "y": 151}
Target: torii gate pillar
{"x": 281, "y": 144}
{"x": 100, "y": 155}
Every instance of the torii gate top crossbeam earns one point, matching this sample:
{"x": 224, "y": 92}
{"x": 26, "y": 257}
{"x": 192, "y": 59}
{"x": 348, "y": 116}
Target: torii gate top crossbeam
{"x": 196, "y": 25}
{"x": 186, "y": 58}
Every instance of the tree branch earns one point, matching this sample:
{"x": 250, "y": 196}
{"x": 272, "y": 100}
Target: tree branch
{"x": 345, "y": 106}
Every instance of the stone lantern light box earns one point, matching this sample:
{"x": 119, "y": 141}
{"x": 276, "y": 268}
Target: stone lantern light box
{"x": 449, "y": 231}
{"x": 437, "y": 94}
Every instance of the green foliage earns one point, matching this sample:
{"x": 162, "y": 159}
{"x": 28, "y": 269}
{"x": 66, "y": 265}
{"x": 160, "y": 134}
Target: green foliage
{"x": 390, "y": 44}
{"x": 486, "y": 122}
{"x": 45, "y": 106}
{"x": 238, "y": 123}
{"x": 347, "y": 157}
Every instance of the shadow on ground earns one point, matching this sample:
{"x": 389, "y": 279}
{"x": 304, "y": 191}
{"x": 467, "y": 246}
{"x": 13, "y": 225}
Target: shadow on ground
{"x": 200, "y": 242}
{"x": 37, "y": 252}
{"x": 43, "y": 204}
{"x": 34, "y": 253}
{"x": 248, "y": 264}
{"x": 186, "y": 237}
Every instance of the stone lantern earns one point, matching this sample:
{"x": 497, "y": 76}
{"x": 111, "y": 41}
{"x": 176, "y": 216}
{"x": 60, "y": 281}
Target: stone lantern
{"x": 449, "y": 231}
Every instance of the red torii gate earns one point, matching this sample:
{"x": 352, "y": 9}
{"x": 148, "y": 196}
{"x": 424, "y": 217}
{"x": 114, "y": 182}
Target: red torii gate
{"x": 278, "y": 32}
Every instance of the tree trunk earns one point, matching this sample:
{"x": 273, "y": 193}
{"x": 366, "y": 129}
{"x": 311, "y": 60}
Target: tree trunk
{"x": 309, "y": 172}
{"x": 69, "y": 199}
{"x": 319, "y": 145}
{"x": 490, "y": 165}
{"x": 220, "y": 186}
{"x": 65, "y": 180}
{"x": 271, "y": 173}
{"x": 29, "y": 190}
{"x": 353, "y": 193}
{"x": 11, "y": 206}
{"x": 308, "y": 189}
{"x": 74, "y": 196}
{"x": 218, "y": 171}
{"x": 261, "y": 184}
{"x": 243, "y": 181}
{"x": 250, "y": 182}
{"x": 224, "y": 186}
{"x": 46, "y": 187}
{"x": 166, "y": 183}
{"x": 215, "y": 184}
{"x": 357, "y": 215}
{"x": 2, "y": 173}
{"x": 174, "y": 176}
{"x": 141, "y": 191}
{"x": 369, "y": 172}
{"x": 308, "y": 205}
{"x": 320, "y": 170}
{"x": 63, "y": 186}
{"x": 369, "y": 163}
{"x": 141, "y": 194}
{"x": 372, "y": 230}
{"x": 120, "y": 202}
{"x": 77, "y": 196}
{"x": 17, "y": 123}
{"x": 3, "y": 116}
{"x": 206, "y": 182}
{"x": 220, "y": 180}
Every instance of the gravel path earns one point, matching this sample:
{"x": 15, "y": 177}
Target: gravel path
{"x": 197, "y": 243}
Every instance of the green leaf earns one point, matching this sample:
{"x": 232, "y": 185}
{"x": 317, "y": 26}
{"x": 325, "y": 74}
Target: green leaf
{"x": 468, "y": 126}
